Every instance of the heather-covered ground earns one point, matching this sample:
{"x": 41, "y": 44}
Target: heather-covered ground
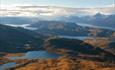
{"x": 63, "y": 63}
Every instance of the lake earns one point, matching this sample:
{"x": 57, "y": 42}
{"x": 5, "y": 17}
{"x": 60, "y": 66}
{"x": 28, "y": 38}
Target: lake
{"x": 36, "y": 55}
{"x": 94, "y": 26}
{"x": 76, "y": 37}
{"x": 7, "y": 65}
{"x": 30, "y": 55}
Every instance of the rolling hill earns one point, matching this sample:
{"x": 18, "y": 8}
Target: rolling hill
{"x": 16, "y": 39}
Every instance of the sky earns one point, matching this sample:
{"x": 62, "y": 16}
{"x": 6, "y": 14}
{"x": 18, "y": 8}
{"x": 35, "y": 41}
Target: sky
{"x": 62, "y": 3}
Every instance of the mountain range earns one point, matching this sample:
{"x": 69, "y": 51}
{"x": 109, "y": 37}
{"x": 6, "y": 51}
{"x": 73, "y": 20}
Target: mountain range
{"x": 52, "y": 38}
{"x": 98, "y": 20}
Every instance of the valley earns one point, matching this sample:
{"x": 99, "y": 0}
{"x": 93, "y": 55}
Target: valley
{"x": 53, "y": 40}
{"x": 57, "y": 38}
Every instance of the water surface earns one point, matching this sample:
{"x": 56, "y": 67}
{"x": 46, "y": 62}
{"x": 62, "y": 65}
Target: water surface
{"x": 36, "y": 55}
{"x": 7, "y": 65}
{"x": 77, "y": 37}
{"x": 94, "y": 26}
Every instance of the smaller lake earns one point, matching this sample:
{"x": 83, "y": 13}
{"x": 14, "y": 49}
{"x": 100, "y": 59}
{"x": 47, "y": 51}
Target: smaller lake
{"x": 36, "y": 55}
{"x": 7, "y": 65}
{"x": 30, "y": 55}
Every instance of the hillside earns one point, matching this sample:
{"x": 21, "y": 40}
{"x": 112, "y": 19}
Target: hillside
{"x": 14, "y": 39}
{"x": 75, "y": 47}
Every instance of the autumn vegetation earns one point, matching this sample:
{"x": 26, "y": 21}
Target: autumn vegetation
{"x": 63, "y": 63}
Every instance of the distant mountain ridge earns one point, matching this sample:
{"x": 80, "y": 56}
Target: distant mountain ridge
{"x": 98, "y": 19}
{"x": 68, "y": 29}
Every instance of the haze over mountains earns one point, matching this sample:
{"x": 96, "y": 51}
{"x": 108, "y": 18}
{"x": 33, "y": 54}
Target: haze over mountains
{"x": 97, "y": 21}
{"x": 100, "y": 16}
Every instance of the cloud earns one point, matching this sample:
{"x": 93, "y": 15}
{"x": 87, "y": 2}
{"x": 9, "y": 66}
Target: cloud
{"x": 14, "y": 5}
{"x": 112, "y": 5}
{"x": 30, "y": 10}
